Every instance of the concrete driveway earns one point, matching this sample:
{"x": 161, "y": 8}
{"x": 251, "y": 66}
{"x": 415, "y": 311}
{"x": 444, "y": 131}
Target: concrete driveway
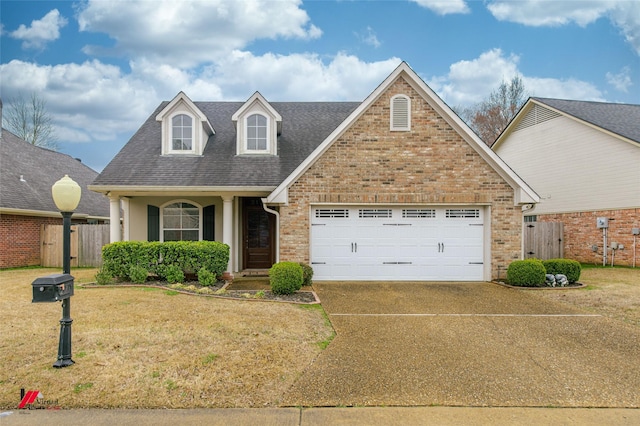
{"x": 467, "y": 344}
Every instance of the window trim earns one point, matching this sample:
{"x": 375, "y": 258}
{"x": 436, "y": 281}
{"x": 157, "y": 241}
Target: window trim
{"x": 392, "y": 123}
{"x": 193, "y": 134}
{"x": 245, "y": 142}
{"x": 193, "y": 203}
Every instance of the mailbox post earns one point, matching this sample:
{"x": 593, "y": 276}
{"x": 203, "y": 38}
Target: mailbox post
{"x": 59, "y": 287}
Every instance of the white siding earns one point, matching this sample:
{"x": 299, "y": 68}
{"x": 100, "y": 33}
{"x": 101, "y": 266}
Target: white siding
{"x": 574, "y": 167}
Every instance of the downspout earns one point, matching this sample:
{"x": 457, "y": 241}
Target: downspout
{"x": 277, "y": 215}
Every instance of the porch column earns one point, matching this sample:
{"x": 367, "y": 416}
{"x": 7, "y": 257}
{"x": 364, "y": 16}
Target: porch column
{"x": 114, "y": 218}
{"x": 126, "y": 224}
{"x": 227, "y": 228}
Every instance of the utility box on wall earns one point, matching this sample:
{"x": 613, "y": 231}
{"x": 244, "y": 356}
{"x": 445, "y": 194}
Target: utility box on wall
{"x": 602, "y": 222}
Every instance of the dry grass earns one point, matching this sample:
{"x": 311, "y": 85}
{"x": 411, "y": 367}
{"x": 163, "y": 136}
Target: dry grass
{"x": 137, "y": 347}
{"x": 613, "y": 292}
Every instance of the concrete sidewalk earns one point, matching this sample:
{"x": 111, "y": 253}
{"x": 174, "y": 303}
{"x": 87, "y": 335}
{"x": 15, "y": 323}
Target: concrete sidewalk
{"x": 329, "y": 416}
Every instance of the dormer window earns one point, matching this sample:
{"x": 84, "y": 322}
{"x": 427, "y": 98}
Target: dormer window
{"x": 257, "y": 133}
{"x": 400, "y": 113}
{"x": 182, "y": 133}
{"x": 258, "y": 125}
{"x": 185, "y": 128}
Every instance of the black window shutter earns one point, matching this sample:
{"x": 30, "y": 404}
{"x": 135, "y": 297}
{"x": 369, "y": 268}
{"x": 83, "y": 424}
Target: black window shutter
{"x": 153, "y": 223}
{"x": 208, "y": 223}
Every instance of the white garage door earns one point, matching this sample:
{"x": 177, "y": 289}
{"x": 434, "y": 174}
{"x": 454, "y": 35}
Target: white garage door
{"x": 397, "y": 243}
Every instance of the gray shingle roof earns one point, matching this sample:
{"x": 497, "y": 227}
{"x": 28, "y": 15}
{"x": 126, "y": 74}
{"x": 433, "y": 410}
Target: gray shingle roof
{"x": 40, "y": 169}
{"x": 304, "y": 126}
{"x": 622, "y": 119}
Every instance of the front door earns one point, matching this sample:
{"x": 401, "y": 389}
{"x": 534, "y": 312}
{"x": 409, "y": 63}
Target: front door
{"x": 258, "y": 235}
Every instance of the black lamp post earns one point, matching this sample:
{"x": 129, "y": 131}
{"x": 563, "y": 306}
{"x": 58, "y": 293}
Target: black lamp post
{"x": 66, "y": 195}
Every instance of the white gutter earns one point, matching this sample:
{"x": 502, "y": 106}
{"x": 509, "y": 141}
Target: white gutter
{"x": 277, "y": 215}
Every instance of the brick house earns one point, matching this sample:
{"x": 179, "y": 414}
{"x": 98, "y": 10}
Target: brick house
{"x": 392, "y": 188}
{"x": 583, "y": 159}
{"x": 27, "y": 174}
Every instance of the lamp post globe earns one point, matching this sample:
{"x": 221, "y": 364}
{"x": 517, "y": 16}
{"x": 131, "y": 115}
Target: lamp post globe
{"x": 66, "y": 195}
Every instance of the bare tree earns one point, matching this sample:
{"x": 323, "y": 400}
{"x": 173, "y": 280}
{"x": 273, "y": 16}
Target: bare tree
{"x": 491, "y": 116}
{"x": 29, "y": 120}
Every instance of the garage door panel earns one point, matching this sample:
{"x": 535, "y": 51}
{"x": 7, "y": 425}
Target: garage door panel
{"x": 397, "y": 243}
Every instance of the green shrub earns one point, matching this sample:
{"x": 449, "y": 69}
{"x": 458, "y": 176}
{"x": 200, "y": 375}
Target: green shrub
{"x": 570, "y": 268}
{"x": 286, "y": 277}
{"x": 158, "y": 258}
{"x": 307, "y": 274}
{"x": 138, "y": 274}
{"x": 103, "y": 277}
{"x": 173, "y": 274}
{"x": 206, "y": 277}
{"x": 526, "y": 273}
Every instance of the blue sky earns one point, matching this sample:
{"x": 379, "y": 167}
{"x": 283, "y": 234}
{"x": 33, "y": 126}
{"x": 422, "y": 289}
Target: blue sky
{"x": 104, "y": 66}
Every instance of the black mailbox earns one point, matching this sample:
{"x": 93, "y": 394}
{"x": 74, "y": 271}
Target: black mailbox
{"x": 52, "y": 288}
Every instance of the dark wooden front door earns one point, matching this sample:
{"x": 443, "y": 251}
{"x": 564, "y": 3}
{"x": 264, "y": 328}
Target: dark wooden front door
{"x": 259, "y": 235}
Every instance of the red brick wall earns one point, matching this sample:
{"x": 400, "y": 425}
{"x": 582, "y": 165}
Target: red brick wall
{"x": 581, "y": 234}
{"x": 431, "y": 164}
{"x": 20, "y": 239}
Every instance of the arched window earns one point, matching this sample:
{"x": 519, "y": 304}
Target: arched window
{"x": 181, "y": 133}
{"x": 181, "y": 222}
{"x": 256, "y": 132}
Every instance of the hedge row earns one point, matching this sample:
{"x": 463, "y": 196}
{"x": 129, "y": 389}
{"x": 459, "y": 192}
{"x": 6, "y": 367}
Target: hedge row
{"x": 532, "y": 272}
{"x": 169, "y": 260}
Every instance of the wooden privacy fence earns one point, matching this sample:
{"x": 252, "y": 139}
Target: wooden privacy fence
{"x": 86, "y": 245}
{"x": 543, "y": 240}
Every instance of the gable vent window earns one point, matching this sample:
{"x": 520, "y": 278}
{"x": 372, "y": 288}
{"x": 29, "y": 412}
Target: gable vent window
{"x": 332, "y": 213}
{"x": 182, "y": 133}
{"x": 374, "y": 213}
{"x": 400, "y": 113}
{"x": 537, "y": 115}
{"x": 418, "y": 213}
{"x": 462, "y": 213}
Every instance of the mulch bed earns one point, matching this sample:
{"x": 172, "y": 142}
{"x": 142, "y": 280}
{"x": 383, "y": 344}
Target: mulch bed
{"x": 222, "y": 289}
{"x": 567, "y": 287}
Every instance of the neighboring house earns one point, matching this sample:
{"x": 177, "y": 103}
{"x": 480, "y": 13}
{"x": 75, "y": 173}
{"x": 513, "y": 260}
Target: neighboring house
{"x": 583, "y": 159}
{"x": 27, "y": 173}
{"x": 396, "y": 187}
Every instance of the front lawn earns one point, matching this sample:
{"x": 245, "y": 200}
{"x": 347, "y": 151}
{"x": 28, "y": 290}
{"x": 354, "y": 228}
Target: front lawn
{"x": 153, "y": 348}
{"x": 609, "y": 291}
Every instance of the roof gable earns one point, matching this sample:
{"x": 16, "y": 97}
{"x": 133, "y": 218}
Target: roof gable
{"x": 182, "y": 98}
{"x": 523, "y": 193}
{"x": 619, "y": 120}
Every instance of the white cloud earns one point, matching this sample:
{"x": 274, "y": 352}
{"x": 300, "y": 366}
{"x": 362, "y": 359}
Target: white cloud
{"x": 549, "y": 13}
{"x": 444, "y": 7}
{"x": 89, "y": 101}
{"x": 41, "y": 31}
{"x": 188, "y": 33}
{"x": 620, "y": 81}
{"x": 562, "y": 89}
{"x": 369, "y": 37}
{"x": 624, "y": 14}
{"x": 471, "y": 81}
{"x": 308, "y": 77}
